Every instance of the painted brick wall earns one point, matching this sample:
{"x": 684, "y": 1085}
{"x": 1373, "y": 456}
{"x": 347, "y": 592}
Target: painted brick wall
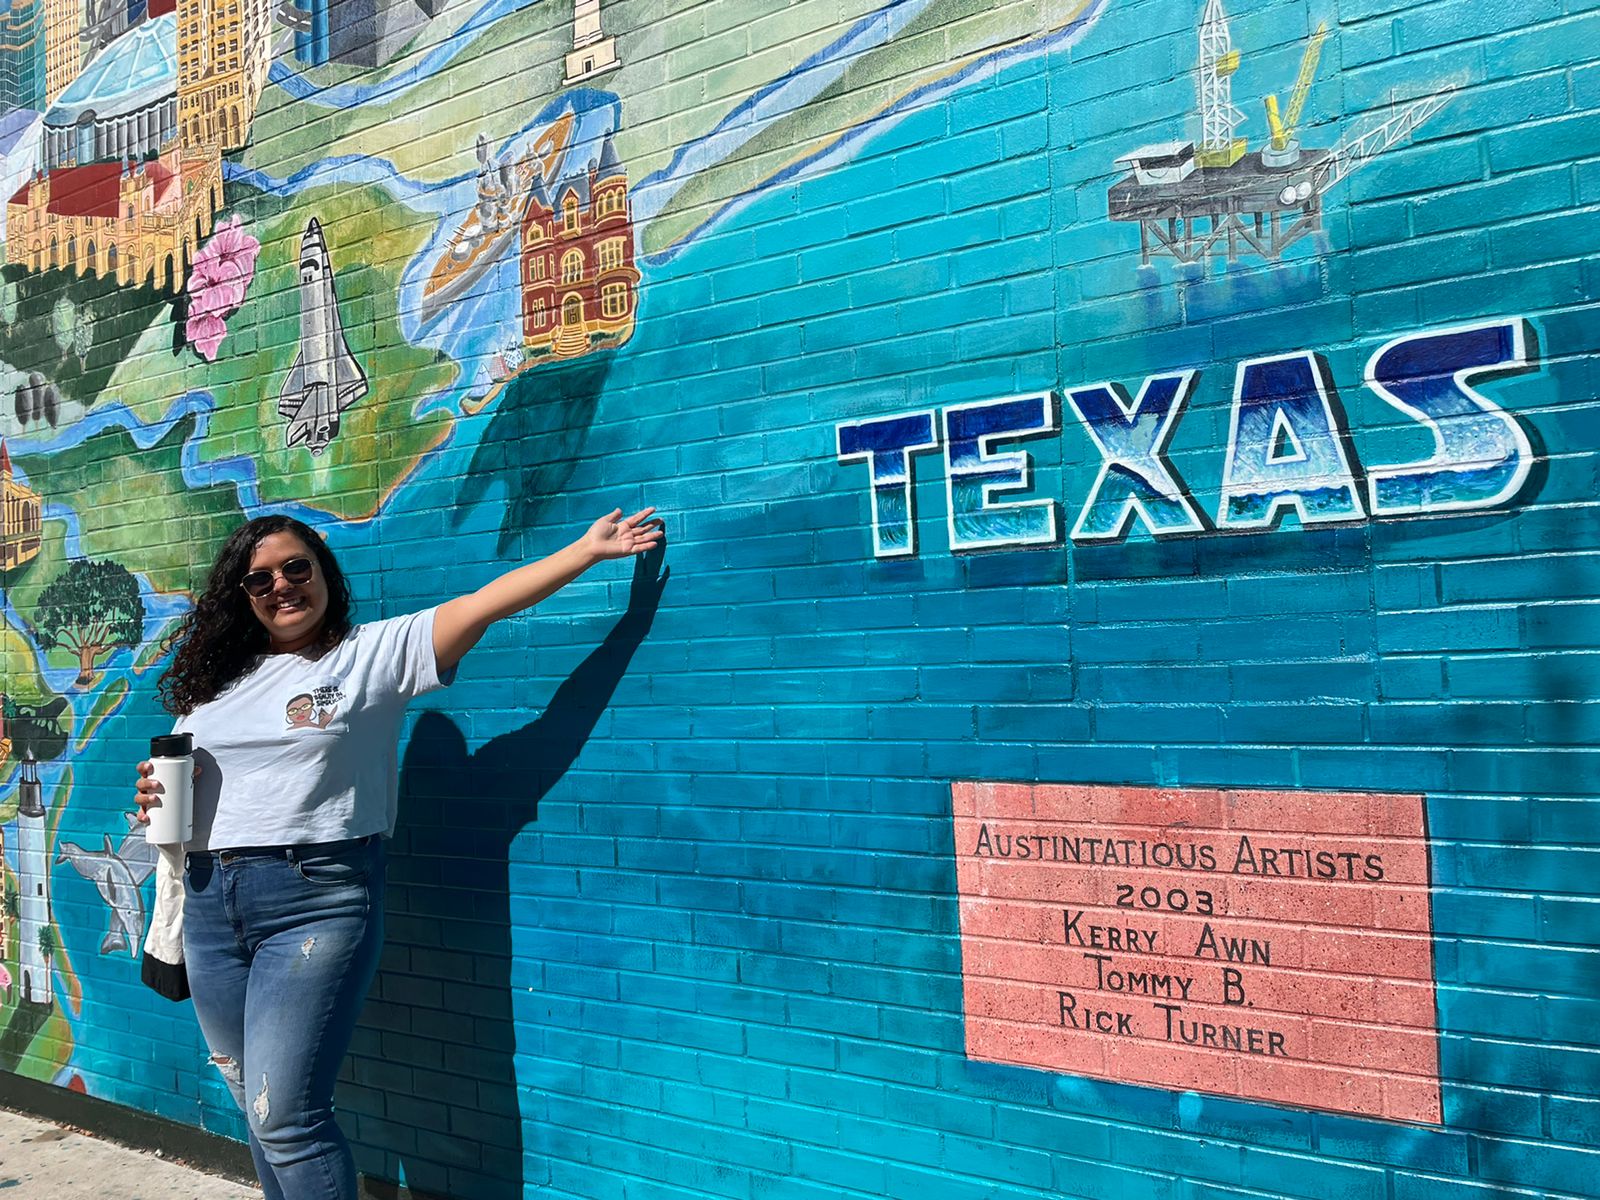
{"x": 1168, "y": 498}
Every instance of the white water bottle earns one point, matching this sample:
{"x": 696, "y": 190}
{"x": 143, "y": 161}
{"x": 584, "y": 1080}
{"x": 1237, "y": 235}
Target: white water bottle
{"x": 172, "y": 818}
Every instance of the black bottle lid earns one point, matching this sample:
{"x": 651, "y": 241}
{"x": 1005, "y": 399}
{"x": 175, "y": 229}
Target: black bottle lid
{"x": 172, "y": 745}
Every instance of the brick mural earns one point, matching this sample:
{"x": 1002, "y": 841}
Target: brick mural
{"x": 1116, "y": 719}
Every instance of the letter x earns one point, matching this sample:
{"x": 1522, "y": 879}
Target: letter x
{"x": 1135, "y": 477}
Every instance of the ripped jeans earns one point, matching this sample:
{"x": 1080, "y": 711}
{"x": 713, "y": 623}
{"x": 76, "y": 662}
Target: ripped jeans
{"x": 281, "y": 946}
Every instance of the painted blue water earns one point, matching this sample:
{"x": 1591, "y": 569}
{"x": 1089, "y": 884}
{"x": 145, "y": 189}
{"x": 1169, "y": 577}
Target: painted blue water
{"x": 353, "y": 95}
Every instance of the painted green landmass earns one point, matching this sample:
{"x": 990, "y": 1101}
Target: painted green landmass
{"x": 115, "y": 321}
{"x": 20, "y": 677}
{"x": 50, "y": 1050}
{"x": 133, "y": 507}
{"x": 527, "y": 46}
{"x": 153, "y": 651}
{"x": 946, "y": 36}
{"x": 106, "y": 703}
{"x": 683, "y": 70}
{"x": 370, "y": 238}
{"x": 20, "y": 669}
{"x": 685, "y": 65}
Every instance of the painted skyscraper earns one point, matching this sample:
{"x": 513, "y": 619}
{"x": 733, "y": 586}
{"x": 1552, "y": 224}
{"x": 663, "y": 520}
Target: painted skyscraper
{"x": 22, "y": 56}
{"x": 224, "y": 50}
{"x": 361, "y": 33}
{"x": 592, "y": 52}
{"x": 33, "y": 885}
{"x": 63, "y": 49}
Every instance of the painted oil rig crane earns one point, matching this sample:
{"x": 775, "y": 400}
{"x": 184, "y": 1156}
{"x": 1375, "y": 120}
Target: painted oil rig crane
{"x": 1283, "y": 150}
{"x": 1220, "y": 199}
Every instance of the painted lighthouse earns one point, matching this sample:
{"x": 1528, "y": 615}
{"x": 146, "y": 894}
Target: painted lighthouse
{"x": 592, "y": 53}
{"x": 34, "y": 932}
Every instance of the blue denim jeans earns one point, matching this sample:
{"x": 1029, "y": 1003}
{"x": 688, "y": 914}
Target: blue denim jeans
{"x": 281, "y": 947}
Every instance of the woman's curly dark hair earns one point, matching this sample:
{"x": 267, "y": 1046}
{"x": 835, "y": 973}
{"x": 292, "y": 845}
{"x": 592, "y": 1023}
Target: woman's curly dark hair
{"x": 220, "y": 638}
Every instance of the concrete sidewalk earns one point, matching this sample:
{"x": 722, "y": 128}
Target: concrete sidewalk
{"x": 43, "y": 1160}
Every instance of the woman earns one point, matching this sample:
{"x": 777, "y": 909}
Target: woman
{"x": 296, "y": 715}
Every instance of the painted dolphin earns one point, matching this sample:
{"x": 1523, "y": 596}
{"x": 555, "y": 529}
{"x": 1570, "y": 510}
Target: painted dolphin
{"x": 136, "y": 851}
{"x": 115, "y": 883}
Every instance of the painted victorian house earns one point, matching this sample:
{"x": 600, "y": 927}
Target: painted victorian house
{"x": 580, "y": 289}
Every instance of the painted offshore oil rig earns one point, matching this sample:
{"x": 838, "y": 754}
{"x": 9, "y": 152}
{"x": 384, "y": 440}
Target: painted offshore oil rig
{"x": 1220, "y": 199}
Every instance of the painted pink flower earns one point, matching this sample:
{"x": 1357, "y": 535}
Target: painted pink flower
{"x": 5, "y": 977}
{"x": 205, "y": 332}
{"x": 218, "y": 279}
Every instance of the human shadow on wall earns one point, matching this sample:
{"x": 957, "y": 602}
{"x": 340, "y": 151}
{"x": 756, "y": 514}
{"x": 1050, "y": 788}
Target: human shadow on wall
{"x": 434, "y": 1080}
{"x": 540, "y": 423}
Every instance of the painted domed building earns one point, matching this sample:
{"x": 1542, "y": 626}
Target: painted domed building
{"x": 131, "y": 150}
{"x": 123, "y": 105}
{"x": 118, "y": 194}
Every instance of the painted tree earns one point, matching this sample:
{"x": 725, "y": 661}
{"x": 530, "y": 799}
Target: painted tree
{"x": 62, "y": 319}
{"x": 36, "y": 399}
{"x": 83, "y": 336}
{"x": 47, "y": 942}
{"x": 90, "y": 608}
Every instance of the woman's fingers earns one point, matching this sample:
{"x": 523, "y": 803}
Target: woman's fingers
{"x": 146, "y": 792}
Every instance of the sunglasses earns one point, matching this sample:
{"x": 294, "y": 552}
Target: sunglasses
{"x": 296, "y": 571}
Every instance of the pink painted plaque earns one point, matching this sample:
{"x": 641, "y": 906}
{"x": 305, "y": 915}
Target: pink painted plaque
{"x": 1270, "y": 945}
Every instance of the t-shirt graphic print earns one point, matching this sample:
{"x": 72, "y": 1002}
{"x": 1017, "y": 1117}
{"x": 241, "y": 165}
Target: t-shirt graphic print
{"x": 302, "y": 749}
{"x": 313, "y": 709}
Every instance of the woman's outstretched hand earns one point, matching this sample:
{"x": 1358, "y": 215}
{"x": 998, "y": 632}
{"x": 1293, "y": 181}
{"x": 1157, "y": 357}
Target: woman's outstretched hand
{"x": 616, "y": 536}
{"x": 459, "y": 623}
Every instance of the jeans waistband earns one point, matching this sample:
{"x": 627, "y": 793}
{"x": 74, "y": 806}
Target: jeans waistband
{"x": 306, "y": 850}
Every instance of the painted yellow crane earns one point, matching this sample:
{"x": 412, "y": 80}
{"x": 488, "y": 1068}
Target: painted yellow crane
{"x": 1283, "y": 127}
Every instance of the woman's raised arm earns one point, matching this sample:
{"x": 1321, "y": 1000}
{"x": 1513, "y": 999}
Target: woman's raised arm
{"x": 459, "y": 623}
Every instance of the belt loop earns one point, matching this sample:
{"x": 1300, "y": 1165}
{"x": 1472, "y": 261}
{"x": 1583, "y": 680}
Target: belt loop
{"x": 288, "y": 852}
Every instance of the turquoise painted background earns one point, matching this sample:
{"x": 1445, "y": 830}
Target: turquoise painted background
{"x": 674, "y": 909}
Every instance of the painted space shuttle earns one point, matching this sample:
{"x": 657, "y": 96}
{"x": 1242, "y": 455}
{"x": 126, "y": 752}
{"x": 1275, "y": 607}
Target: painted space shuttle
{"x": 325, "y": 379}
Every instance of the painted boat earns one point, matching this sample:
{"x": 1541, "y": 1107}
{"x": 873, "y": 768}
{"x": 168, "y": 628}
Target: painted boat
{"x": 494, "y": 222}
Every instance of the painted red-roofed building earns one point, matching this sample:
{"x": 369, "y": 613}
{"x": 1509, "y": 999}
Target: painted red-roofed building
{"x": 139, "y": 223}
{"x": 580, "y": 289}
{"x": 21, "y": 521}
